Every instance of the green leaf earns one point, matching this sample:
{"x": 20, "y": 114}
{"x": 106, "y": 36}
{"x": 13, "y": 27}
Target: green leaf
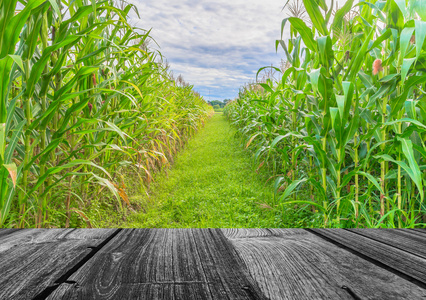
{"x": 322, "y": 4}
{"x": 276, "y": 140}
{"x": 333, "y": 112}
{"x": 412, "y": 172}
{"x": 81, "y": 13}
{"x": 402, "y": 6}
{"x": 257, "y": 74}
{"x": 316, "y": 17}
{"x": 325, "y": 51}
{"x": 2, "y": 140}
{"x": 114, "y": 128}
{"x": 420, "y": 7}
{"x": 372, "y": 180}
{"x": 341, "y": 105}
{"x": 5, "y": 68}
{"x": 17, "y": 131}
{"x": 407, "y": 148}
{"x": 420, "y": 35}
{"x": 267, "y": 87}
{"x": 410, "y": 108}
{"x": 14, "y": 26}
{"x": 339, "y": 15}
{"x": 56, "y": 9}
{"x": 399, "y": 101}
{"x": 291, "y": 187}
{"x": 351, "y": 129}
{"x": 305, "y": 32}
{"x": 395, "y": 18}
{"x": 314, "y": 78}
{"x": 359, "y": 59}
{"x": 9, "y": 195}
{"x": 405, "y": 38}
{"x": 38, "y": 67}
{"x": 378, "y": 42}
{"x": 284, "y": 46}
{"x": 57, "y": 169}
{"x": 406, "y": 65}
{"x": 348, "y": 89}
{"x": 17, "y": 59}
{"x": 306, "y": 202}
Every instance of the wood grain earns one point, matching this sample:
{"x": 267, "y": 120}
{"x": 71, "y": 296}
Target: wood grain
{"x": 406, "y": 240}
{"x": 407, "y": 263}
{"x": 6, "y": 231}
{"x": 421, "y": 230}
{"x": 36, "y": 236}
{"x": 33, "y": 259}
{"x": 236, "y": 233}
{"x": 295, "y": 264}
{"x": 212, "y": 264}
{"x": 166, "y": 263}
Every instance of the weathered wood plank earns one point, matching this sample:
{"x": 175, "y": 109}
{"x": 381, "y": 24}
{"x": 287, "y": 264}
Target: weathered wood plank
{"x": 166, "y": 291}
{"x": 410, "y": 241}
{"x": 235, "y": 233}
{"x": 296, "y": 264}
{"x": 420, "y": 230}
{"x": 35, "y": 236}
{"x": 6, "y": 231}
{"x": 31, "y": 260}
{"x": 407, "y": 263}
{"x": 166, "y": 263}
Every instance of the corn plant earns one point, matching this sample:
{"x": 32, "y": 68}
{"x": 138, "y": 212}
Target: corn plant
{"x": 349, "y": 112}
{"x": 83, "y": 100}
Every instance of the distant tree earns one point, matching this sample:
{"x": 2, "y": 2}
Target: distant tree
{"x": 218, "y": 102}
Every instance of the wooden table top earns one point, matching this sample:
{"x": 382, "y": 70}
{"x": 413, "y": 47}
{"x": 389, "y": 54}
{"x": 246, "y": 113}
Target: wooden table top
{"x": 212, "y": 264}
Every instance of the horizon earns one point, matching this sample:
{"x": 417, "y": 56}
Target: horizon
{"x": 216, "y": 46}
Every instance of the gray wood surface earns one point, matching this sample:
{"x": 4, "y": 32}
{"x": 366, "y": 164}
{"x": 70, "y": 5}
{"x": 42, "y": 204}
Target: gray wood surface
{"x": 421, "y": 230}
{"x": 33, "y": 259}
{"x": 406, "y": 240}
{"x": 36, "y": 236}
{"x": 164, "y": 264}
{"x": 6, "y": 231}
{"x": 296, "y": 264}
{"x": 413, "y": 266}
{"x": 212, "y": 264}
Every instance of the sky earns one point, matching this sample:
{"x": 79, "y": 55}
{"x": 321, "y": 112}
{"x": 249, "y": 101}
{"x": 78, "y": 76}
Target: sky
{"x": 216, "y": 45}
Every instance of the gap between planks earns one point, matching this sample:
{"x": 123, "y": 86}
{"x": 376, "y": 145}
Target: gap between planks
{"x": 64, "y": 278}
{"x": 296, "y": 264}
{"x": 402, "y": 263}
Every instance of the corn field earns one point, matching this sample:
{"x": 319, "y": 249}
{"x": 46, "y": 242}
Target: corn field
{"x": 344, "y": 127}
{"x": 83, "y": 100}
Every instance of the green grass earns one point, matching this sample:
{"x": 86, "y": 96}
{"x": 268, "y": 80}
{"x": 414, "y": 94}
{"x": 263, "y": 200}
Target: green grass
{"x": 211, "y": 184}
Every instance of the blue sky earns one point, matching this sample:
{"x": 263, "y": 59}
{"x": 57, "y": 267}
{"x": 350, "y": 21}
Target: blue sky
{"x": 216, "y": 45}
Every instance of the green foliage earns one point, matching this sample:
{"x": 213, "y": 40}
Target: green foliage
{"x": 82, "y": 99}
{"x": 219, "y": 103}
{"x": 212, "y": 184}
{"x": 344, "y": 128}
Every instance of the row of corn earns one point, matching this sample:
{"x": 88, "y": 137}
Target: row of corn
{"x": 83, "y": 100}
{"x": 343, "y": 128}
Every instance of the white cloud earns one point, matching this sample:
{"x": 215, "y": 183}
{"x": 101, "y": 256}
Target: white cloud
{"x": 216, "y": 45}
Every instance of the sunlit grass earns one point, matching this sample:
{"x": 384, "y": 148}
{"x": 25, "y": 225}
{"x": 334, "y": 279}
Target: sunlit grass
{"x": 212, "y": 183}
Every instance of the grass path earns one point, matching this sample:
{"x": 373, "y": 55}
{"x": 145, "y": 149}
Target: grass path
{"x": 211, "y": 184}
